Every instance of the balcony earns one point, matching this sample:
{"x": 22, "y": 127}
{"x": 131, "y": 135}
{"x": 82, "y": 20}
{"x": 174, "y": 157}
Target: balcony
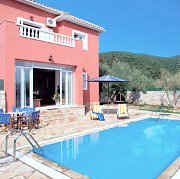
{"x": 38, "y": 34}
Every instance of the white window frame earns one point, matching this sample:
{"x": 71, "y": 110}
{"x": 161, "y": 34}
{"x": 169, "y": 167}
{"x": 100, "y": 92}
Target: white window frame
{"x": 84, "y": 38}
{"x": 85, "y": 83}
{"x": 22, "y": 21}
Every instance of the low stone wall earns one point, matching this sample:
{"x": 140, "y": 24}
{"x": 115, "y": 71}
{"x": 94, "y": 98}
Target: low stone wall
{"x": 2, "y": 100}
{"x": 150, "y": 98}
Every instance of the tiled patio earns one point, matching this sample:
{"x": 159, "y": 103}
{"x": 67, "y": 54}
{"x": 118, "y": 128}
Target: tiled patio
{"x": 19, "y": 170}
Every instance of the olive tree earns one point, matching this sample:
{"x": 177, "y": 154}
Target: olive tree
{"x": 170, "y": 83}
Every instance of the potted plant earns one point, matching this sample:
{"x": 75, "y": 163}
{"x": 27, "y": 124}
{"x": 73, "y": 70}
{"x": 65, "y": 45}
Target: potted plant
{"x": 56, "y": 98}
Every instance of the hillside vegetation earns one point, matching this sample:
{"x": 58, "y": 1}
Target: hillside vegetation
{"x": 145, "y": 72}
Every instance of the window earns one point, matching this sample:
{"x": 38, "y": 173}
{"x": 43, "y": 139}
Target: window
{"x": 1, "y": 84}
{"x": 85, "y": 85}
{"x": 78, "y": 36}
{"x": 81, "y": 36}
{"x": 30, "y": 23}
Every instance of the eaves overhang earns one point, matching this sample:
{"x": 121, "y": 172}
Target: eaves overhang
{"x": 62, "y": 15}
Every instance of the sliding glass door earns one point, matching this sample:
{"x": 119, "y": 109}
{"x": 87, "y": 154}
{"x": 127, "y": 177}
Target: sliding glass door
{"x": 66, "y": 87}
{"x": 69, "y": 88}
{"x": 23, "y": 87}
{"x": 18, "y": 87}
{"x": 26, "y": 75}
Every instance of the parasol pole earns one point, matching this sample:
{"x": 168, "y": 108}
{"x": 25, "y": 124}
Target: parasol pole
{"x": 108, "y": 97}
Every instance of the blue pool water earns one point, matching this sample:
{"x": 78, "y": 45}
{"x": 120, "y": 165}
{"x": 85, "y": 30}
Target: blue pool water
{"x": 141, "y": 150}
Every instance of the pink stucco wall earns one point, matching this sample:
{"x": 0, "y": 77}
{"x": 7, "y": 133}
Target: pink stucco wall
{"x": 13, "y": 47}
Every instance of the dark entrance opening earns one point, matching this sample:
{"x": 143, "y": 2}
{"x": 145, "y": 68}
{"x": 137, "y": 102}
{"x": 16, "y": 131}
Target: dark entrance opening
{"x": 43, "y": 86}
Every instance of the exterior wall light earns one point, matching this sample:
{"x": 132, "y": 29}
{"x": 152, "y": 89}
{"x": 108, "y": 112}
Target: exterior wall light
{"x": 50, "y": 58}
{"x": 31, "y": 18}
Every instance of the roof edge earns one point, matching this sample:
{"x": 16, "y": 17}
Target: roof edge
{"x": 62, "y": 15}
{"x": 41, "y": 6}
{"x": 79, "y": 21}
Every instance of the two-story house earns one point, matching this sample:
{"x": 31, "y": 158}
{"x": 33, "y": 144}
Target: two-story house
{"x": 42, "y": 48}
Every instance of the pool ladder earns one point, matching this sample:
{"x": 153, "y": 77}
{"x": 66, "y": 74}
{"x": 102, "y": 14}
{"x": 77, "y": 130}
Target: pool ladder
{"x": 21, "y": 133}
{"x": 158, "y": 113}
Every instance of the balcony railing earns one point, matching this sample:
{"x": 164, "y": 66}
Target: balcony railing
{"x": 38, "y": 34}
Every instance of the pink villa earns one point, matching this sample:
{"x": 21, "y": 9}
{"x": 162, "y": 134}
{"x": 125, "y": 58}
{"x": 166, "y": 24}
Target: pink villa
{"x": 42, "y": 48}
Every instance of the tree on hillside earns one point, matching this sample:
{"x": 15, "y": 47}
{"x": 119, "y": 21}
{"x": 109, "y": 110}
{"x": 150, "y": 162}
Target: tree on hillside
{"x": 171, "y": 86}
{"x": 103, "y": 68}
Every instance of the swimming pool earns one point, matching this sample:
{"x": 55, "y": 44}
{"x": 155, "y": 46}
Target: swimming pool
{"x": 142, "y": 149}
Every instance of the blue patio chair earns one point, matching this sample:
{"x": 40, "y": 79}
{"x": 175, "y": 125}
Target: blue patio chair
{"x": 1, "y": 111}
{"x": 5, "y": 118}
{"x": 30, "y": 121}
{"x": 28, "y": 109}
{"x": 14, "y": 109}
{"x": 7, "y": 121}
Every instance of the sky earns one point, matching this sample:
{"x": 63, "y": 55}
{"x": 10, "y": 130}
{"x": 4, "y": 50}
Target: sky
{"x": 138, "y": 26}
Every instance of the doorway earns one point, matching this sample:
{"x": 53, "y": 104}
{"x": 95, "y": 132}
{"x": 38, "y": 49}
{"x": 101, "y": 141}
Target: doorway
{"x": 43, "y": 86}
{"x": 40, "y": 81}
